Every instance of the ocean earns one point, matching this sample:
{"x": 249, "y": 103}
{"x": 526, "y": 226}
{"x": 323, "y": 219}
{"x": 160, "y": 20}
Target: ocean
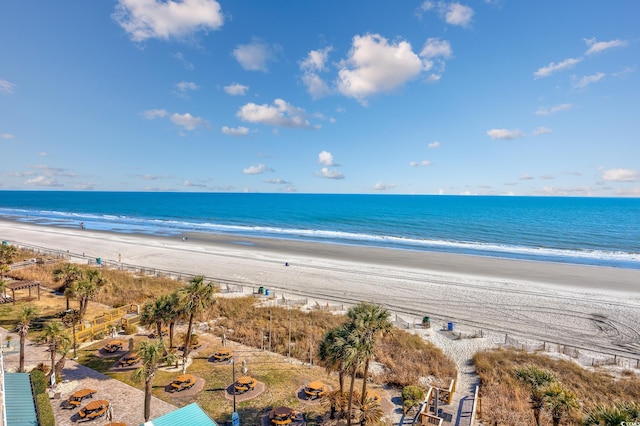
{"x": 588, "y": 231}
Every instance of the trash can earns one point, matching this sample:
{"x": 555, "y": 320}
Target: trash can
{"x": 260, "y": 290}
{"x": 426, "y": 322}
{"x": 5, "y": 243}
{"x": 99, "y": 260}
{"x": 266, "y": 291}
{"x": 450, "y": 326}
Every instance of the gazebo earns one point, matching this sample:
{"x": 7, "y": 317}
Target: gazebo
{"x": 21, "y": 285}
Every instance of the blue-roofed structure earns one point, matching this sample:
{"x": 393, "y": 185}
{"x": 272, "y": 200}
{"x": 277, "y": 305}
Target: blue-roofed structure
{"x": 190, "y": 415}
{"x": 20, "y": 407}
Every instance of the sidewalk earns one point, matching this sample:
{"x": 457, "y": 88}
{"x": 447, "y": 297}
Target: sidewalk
{"x": 127, "y": 401}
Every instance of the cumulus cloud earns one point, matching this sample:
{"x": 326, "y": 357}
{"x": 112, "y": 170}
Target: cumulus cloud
{"x": 256, "y": 170}
{"x": 505, "y": 134}
{"x": 325, "y": 158}
{"x": 434, "y": 144}
{"x": 434, "y": 47}
{"x": 328, "y": 173}
{"x": 187, "y": 120}
{"x": 43, "y": 181}
{"x": 255, "y": 55}
{"x": 185, "y": 86}
{"x": 581, "y": 83}
{"x": 595, "y": 47}
{"x": 238, "y": 131}
{"x": 236, "y": 89}
{"x": 280, "y": 114}
{"x": 458, "y": 14}
{"x": 6, "y": 87}
{"x": 422, "y": 163}
{"x": 145, "y": 19}
{"x": 555, "y": 67}
{"x": 553, "y": 109}
{"x": 375, "y": 65}
{"x": 311, "y": 66}
{"x": 277, "y": 181}
{"x": 620, "y": 175}
{"x": 152, "y": 114}
{"x": 6, "y": 136}
{"x": 379, "y": 186}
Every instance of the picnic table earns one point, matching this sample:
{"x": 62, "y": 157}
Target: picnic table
{"x": 223, "y": 355}
{"x": 245, "y": 384}
{"x": 114, "y": 346}
{"x": 282, "y": 416}
{"x": 94, "y": 409}
{"x": 183, "y": 382}
{"x": 129, "y": 359}
{"x": 315, "y": 389}
{"x": 75, "y": 399}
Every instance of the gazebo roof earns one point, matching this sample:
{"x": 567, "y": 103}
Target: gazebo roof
{"x": 20, "y": 285}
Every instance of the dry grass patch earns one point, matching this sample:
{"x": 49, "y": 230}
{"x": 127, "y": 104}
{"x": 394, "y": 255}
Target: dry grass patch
{"x": 505, "y": 400}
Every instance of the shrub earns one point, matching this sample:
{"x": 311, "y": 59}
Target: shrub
{"x": 38, "y": 382}
{"x": 45, "y": 412}
{"x": 411, "y": 396}
{"x": 130, "y": 329}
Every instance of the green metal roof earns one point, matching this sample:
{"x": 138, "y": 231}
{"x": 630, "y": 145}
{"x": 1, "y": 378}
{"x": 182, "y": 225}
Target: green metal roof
{"x": 190, "y": 415}
{"x": 20, "y": 408}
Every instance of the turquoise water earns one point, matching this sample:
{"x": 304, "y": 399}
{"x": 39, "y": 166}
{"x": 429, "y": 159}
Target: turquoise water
{"x": 594, "y": 231}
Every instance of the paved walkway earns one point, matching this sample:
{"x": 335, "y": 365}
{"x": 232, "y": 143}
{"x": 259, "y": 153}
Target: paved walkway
{"x": 127, "y": 401}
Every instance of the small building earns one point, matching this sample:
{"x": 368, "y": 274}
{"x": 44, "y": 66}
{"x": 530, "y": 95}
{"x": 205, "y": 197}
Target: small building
{"x": 19, "y": 406}
{"x": 190, "y": 415}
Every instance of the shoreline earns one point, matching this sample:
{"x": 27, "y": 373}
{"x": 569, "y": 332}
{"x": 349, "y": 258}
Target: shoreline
{"x": 586, "y": 306}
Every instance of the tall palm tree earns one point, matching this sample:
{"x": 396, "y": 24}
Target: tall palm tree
{"x": 171, "y": 312}
{"x": 87, "y": 287}
{"x": 329, "y": 353}
{"x": 27, "y": 313}
{"x": 153, "y": 315}
{"x": 370, "y": 320}
{"x": 195, "y": 298}
{"x": 8, "y": 255}
{"x": 55, "y": 335}
{"x": 351, "y": 346}
{"x": 536, "y": 379}
{"x": 559, "y": 401}
{"x": 68, "y": 274}
{"x": 152, "y": 353}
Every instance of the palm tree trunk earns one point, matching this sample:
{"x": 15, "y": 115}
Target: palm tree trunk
{"x": 172, "y": 324}
{"x": 349, "y": 405}
{"x": 147, "y": 397}
{"x": 341, "y": 380}
{"x": 60, "y": 365}
{"x": 52, "y": 349}
{"x": 536, "y": 414}
{"x": 22, "y": 342}
{"x": 364, "y": 380}
{"x": 187, "y": 344}
{"x": 84, "y": 302}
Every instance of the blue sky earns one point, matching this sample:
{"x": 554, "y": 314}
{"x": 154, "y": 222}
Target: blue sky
{"x": 413, "y": 97}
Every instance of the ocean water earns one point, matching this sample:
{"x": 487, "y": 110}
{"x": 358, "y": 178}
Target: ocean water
{"x": 592, "y": 231}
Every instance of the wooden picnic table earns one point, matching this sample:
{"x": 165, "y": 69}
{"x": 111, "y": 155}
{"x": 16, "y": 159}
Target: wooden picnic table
{"x": 315, "y": 389}
{"x": 114, "y": 346}
{"x": 282, "y": 415}
{"x": 94, "y": 409}
{"x": 83, "y": 393}
{"x": 223, "y": 354}
{"x": 245, "y": 383}
{"x": 184, "y": 381}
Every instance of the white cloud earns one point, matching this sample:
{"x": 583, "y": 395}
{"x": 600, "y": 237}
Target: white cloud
{"x": 422, "y": 163}
{"x": 620, "y": 175}
{"x": 553, "y": 109}
{"x": 256, "y": 170}
{"x": 374, "y": 65}
{"x": 185, "y": 86}
{"x": 188, "y": 65}
{"x": 6, "y": 136}
{"x": 328, "y": 173}
{"x": 624, "y": 72}
{"x": 505, "y": 133}
{"x": 588, "y": 79}
{"x": 236, "y": 89}
{"x": 553, "y": 67}
{"x": 434, "y": 144}
{"x": 311, "y": 66}
{"x": 280, "y": 114}
{"x": 325, "y": 158}
{"x": 379, "y": 186}
{"x": 277, "y": 181}
{"x": 238, "y": 131}
{"x": 458, "y": 14}
{"x": 596, "y": 47}
{"x": 526, "y": 177}
{"x": 255, "y": 55}
{"x": 541, "y": 131}
{"x": 186, "y": 120}
{"x": 145, "y": 19}
{"x": 152, "y": 114}
{"x": 434, "y": 47}
{"x": 6, "y": 87}
{"x": 42, "y": 154}
{"x": 43, "y": 181}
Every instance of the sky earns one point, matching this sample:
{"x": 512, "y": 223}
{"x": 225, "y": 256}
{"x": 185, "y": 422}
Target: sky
{"x": 478, "y": 97}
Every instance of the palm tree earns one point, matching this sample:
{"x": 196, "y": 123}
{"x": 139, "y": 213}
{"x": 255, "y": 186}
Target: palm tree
{"x": 351, "y": 346}
{"x": 616, "y": 415}
{"x": 27, "y": 313}
{"x": 55, "y": 335}
{"x": 329, "y": 353}
{"x": 152, "y": 353}
{"x": 336, "y": 401}
{"x": 536, "y": 379}
{"x": 194, "y": 299}
{"x": 559, "y": 401}
{"x": 8, "y": 255}
{"x": 153, "y": 315}
{"x": 370, "y": 320}
{"x": 171, "y": 312}
{"x": 87, "y": 287}
{"x": 370, "y": 410}
{"x": 68, "y": 274}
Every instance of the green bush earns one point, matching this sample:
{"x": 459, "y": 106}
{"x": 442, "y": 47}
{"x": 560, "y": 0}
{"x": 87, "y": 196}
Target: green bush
{"x": 38, "y": 382}
{"x": 45, "y": 411}
{"x": 412, "y": 396}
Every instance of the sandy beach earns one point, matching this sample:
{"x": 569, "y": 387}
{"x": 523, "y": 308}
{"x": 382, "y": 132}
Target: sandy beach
{"x": 595, "y": 308}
